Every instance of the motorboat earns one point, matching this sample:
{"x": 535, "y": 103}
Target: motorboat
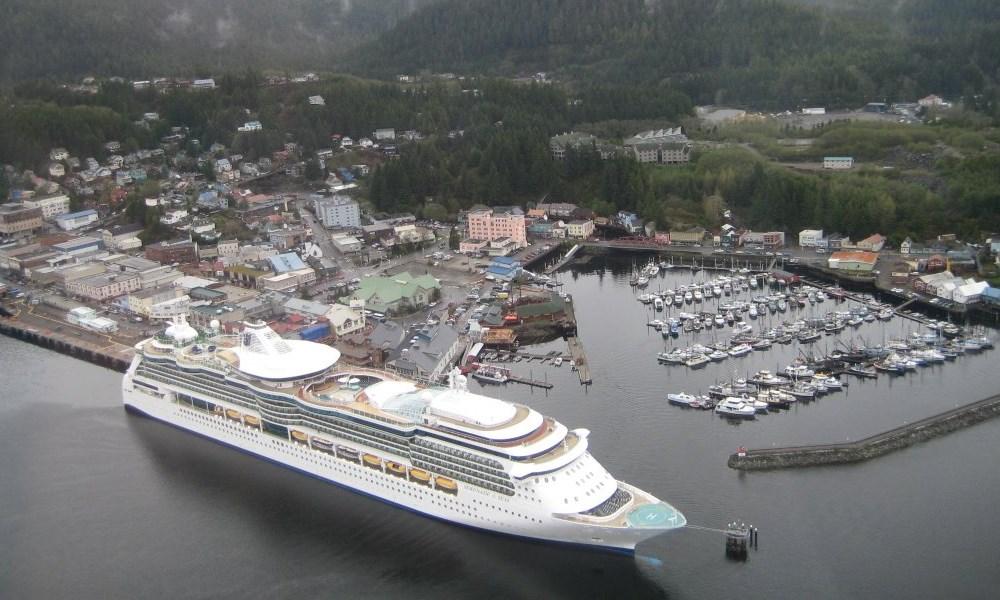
{"x": 697, "y": 361}
{"x": 740, "y": 350}
{"x": 682, "y": 399}
{"x": 735, "y": 408}
{"x": 717, "y": 355}
{"x": 658, "y": 303}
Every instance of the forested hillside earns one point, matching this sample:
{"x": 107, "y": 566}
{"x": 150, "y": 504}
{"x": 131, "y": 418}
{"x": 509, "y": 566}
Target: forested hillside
{"x": 778, "y": 53}
{"x": 144, "y": 38}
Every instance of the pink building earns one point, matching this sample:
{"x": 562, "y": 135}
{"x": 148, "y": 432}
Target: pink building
{"x": 497, "y": 223}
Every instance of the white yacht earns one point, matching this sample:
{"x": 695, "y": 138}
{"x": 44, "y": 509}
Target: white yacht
{"x": 443, "y": 452}
{"x": 735, "y": 408}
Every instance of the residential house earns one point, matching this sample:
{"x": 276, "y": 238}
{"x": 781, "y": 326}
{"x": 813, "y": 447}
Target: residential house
{"x": 838, "y": 162}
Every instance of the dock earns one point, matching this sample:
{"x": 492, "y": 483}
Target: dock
{"x": 868, "y": 448}
{"x": 579, "y": 359}
{"x": 112, "y": 355}
{"x": 562, "y": 262}
{"x": 530, "y": 382}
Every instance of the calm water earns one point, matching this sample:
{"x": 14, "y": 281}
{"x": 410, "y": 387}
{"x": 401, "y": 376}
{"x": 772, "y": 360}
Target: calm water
{"x": 98, "y": 504}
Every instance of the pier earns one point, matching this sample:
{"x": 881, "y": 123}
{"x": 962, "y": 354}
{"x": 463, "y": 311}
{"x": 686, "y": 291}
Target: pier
{"x": 870, "y": 447}
{"x": 530, "y": 382}
{"x": 112, "y": 356}
{"x": 562, "y": 262}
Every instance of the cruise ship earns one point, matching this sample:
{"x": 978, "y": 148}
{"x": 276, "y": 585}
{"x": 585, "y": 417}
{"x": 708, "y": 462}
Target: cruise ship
{"x": 440, "y": 451}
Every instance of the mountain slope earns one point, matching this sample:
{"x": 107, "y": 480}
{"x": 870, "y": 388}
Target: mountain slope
{"x": 772, "y": 52}
{"x": 55, "y": 38}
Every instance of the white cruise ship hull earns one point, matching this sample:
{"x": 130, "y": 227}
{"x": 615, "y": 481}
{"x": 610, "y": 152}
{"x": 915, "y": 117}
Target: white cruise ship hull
{"x": 472, "y": 507}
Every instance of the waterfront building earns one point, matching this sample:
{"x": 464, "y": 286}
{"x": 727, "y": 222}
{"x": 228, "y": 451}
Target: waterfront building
{"x": 857, "y": 261}
{"x": 498, "y": 223}
{"x": 580, "y": 229}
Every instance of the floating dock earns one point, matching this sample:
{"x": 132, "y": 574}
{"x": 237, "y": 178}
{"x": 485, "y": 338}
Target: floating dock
{"x": 870, "y": 447}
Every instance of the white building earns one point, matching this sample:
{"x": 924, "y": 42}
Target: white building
{"x": 87, "y": 318}
{"x": 810, "y": 238}
{"x": 660, "y": 146}
{"x": 203, "y": 84}
{"x": 337, "y": 211}
{"x": 838, "y": 162}
{"x": 970, "y": 292}
{"x": 51, "y": 205}
{"x": 814, "y": 111}
{"x": 250, "y": 126}
{"x": 384, "y": 134}
{"x": 58, "y": 154}
{"x": 317, "y": 101}
{"x": 76, "y": 220}
{"x": 346, "y": 243}
{"x": 173, "y": 217}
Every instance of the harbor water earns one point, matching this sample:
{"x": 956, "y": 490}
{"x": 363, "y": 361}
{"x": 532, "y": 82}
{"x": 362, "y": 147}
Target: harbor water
{"x": 99, "y": 504}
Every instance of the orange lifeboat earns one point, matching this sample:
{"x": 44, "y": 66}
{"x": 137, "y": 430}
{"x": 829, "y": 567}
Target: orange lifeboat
{"x": 446, "y": 485}
{"x": 252, "y": 421}
{"x": 299, "y": 436}
{"x": 396, "y": 469}
{"x": 234, "y": 414}
{"x": 372, "y": 461}
{"x": 420, "y": 476}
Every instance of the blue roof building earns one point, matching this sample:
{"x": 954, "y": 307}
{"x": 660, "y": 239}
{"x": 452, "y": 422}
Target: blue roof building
{"x": 284, "y": 263}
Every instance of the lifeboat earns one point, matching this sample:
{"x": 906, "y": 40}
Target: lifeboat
{"x": 218, "y": 410}
{"x": 446, "y": 485}
{"x": 322, "y": 444}
{"x": 396, "y": 469}
{"x": 234, "y": 414}
{"x": 300, "y": 437}
{"x": 372, "y": 461}
{"x": 420, "y": 476}
{"x": 348, "y": 453}
{"x": 252, "y": 421}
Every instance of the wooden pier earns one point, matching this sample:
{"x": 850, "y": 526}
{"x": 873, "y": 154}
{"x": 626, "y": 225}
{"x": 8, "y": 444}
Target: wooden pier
{"x": 579, "y": 359}
{"x": 870, "y": 447}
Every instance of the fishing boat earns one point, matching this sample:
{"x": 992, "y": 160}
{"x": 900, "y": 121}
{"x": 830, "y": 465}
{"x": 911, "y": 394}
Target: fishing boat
{"x": 765, "y": 378}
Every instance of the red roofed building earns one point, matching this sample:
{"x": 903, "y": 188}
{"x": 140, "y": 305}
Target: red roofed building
{"x": 853, "y": 261}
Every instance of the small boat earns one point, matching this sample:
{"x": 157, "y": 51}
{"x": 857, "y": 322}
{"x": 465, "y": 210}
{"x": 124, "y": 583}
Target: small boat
{"x": 658, "y": 303}
{"x": 735, "y": 408}
{"x": 720, "y": 321}
{"x": 753, "y": 311}
{"x": 803, "y": 391}
{"x": 762, "y": 344}
{"x": 646, "y": 298}
{"x": 809, "y": 335}
{"x": 491, "y": 374}
{"x": 446, "y": 485}
{"x": 717, "y": 355}
{"x": 558, "y": 361}
{"x": 688, "y": 297}
{"x": 682, "y": 399}
{"x": 774, "y": 399}
{"x": 740, "y": 350}
{"x": 698, "y": 296}
{"x": 372, "y": 461}
{"x": 697, "y": 361}
{"x": 234, "y": 414}
{"x": 252, "y": 421}
{"x": 674, "y": 357}
{"x": 299, "y": 436}
{"x": 394, "y": 468}
{"x": 862, "y": 371}
{"x": 643, "y": 281}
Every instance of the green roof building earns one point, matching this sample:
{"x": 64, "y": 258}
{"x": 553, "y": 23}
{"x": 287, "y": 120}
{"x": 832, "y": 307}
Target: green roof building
{"x": 396, "y": 292}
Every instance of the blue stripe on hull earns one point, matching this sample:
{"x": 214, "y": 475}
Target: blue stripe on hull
{"x": 609, "y": 549}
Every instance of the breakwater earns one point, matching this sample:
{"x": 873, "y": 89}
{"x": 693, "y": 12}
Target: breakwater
{"x": 109, "y": 357}
{"x": 870, "y": 447}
